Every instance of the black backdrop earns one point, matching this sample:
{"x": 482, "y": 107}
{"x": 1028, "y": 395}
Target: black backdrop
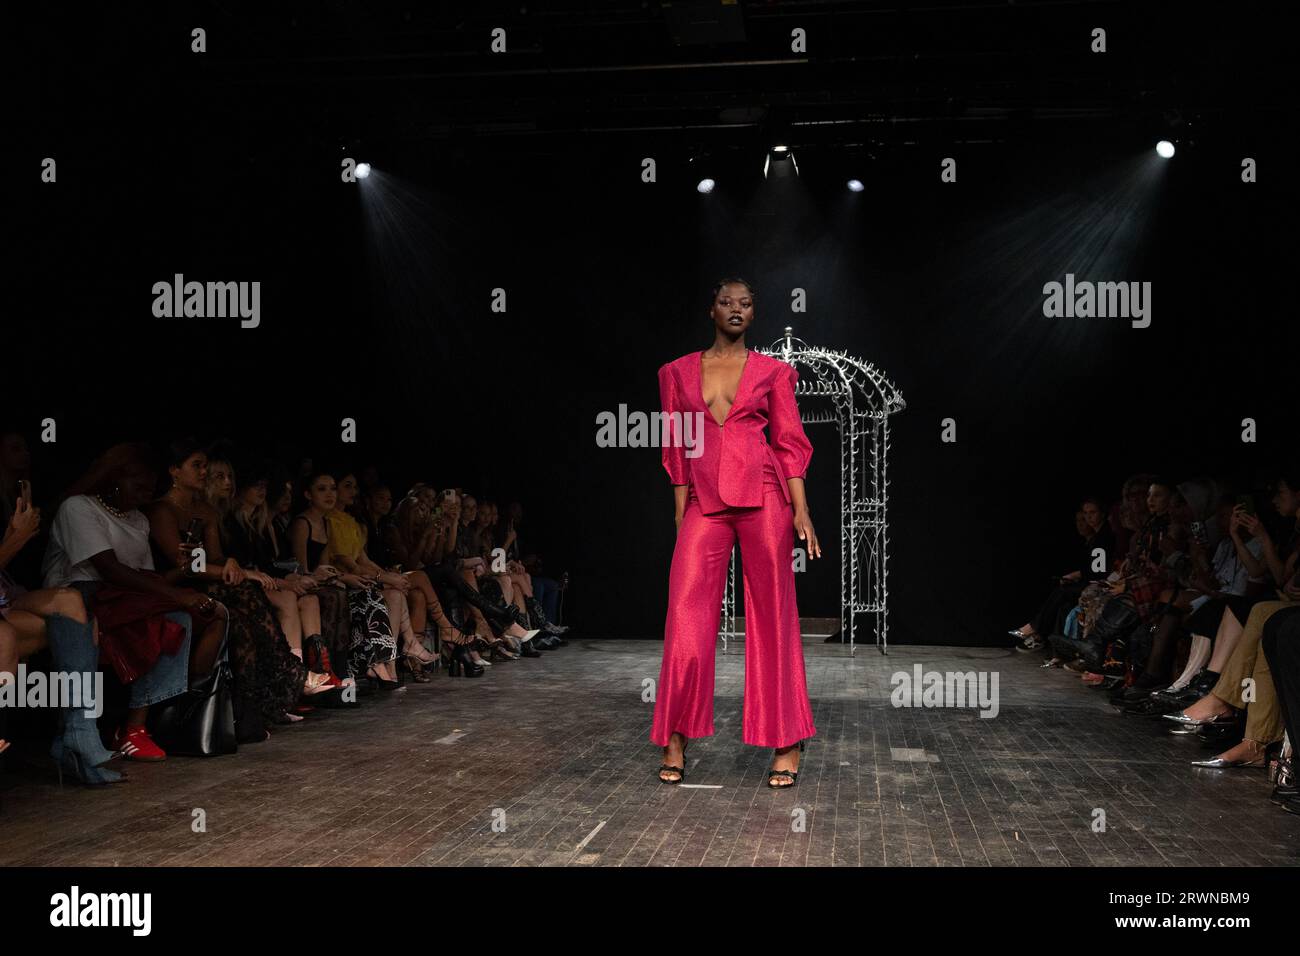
{"x": 375, "y": 306}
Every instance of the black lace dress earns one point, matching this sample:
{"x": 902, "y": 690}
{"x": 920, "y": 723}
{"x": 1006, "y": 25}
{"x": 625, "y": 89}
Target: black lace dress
{"x": 268, "y": 677}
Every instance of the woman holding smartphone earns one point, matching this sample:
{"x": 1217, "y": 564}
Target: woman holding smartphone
{"x": 55, "y": 618}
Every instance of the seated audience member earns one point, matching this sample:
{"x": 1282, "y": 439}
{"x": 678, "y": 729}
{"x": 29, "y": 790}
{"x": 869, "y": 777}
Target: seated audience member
{"x": 99, "y": 544}
{"x": 55, "y": 618}
{"x": 426, "y": 531}
{"x": 348, "y": 551}
{"x": 1191, "y": 583}
{"x": 330, "y": 653}
{"x": 545, "y": 589}
{"x": 505, "y": 535}
{"x": 1092, "y": 563}
{"x": 1144, "y": 574}
{"x": 1222, "y": 580}
{"x": 1281, "y": 646}
{"x": 248, "y": 536}
{"x": 1252, "y": 545}
{"x": 471, "y": 563}
{"x": 1129, "y": 513}
{"x": 269, "y": 679}
{"x": 410, "y": 543}
{"x": 1246, "y": 675}
{"x": 372, "y": 649}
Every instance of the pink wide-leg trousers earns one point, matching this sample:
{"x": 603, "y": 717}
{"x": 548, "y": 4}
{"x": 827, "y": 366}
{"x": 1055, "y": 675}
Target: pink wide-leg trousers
{"x": 776, "y": 710}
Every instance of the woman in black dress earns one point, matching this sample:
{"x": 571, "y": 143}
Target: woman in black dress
{"x": 268, "y": 677}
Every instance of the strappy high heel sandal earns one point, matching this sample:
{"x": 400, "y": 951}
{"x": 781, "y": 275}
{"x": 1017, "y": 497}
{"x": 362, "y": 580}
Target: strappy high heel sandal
{"x": 772, "y": 775}
{"x": 417, "y": 668}
{"x": 680, "y": 771}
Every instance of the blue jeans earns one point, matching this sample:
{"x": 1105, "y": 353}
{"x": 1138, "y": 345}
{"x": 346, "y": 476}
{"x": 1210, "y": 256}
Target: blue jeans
{"x": 547, "y": 592}
{"x": 170, "y": 677}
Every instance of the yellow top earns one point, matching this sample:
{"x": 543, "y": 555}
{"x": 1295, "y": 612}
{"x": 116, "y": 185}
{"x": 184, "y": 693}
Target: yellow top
{"x": 346, "y": 536}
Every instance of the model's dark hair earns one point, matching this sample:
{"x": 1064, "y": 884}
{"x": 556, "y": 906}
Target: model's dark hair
{"x": 733, "y": 281}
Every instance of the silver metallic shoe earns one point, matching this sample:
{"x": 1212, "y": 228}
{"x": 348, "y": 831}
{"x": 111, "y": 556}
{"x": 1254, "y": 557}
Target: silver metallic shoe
{"x": 1218, "y": 763}
{"x": 1184, "y": 720}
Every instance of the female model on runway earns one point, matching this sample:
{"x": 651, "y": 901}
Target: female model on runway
{"x": 732, "y": 484}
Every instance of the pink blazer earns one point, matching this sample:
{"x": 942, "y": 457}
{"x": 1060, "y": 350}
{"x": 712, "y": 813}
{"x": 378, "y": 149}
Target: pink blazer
{"x": 728, "y": 471}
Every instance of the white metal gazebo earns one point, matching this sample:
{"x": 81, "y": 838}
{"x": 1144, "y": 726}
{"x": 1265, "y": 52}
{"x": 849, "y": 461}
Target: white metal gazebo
{"x": 861, "y": 399}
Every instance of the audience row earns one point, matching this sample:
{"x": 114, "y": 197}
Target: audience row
{"x": 1184, "y": 604}
{"x": 166, "y": 574}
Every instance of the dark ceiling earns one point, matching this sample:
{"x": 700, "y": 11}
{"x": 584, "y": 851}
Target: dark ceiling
{"x": 876, "y": 76}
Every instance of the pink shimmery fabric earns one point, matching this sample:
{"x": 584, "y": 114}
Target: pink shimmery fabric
{"x": 728, "y": 472}
{"x": 776, "y": 711}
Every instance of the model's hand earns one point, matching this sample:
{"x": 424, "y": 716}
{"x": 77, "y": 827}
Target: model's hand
{"x": 804, "y": 528}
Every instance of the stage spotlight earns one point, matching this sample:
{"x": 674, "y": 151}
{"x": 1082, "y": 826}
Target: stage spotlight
{"x": 705, "y": 185}
{"x": 856, "y": 185}
{"x": 779, "y": 163}
{"x": 1165, "y": 148}
{"x": 363, "y": 170}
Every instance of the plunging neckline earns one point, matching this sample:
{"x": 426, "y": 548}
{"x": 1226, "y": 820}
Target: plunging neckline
{"x": 739, "y": 382}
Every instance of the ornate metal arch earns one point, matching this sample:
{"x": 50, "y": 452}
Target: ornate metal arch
{"x": 861, "y": 399}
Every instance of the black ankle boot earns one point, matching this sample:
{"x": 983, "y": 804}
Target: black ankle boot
{"x": 537, "y": 616}
{"x": 463, "y": 665}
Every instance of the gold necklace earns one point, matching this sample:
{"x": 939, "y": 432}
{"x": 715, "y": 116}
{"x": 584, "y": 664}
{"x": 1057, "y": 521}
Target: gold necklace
{"x": 109, "y": 508}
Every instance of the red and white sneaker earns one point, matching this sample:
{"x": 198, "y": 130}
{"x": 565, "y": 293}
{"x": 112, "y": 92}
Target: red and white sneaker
{"x": 136, "y": 744}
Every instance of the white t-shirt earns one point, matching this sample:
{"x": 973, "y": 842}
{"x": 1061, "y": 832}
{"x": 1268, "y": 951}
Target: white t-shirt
{"x": 84, "y": 528}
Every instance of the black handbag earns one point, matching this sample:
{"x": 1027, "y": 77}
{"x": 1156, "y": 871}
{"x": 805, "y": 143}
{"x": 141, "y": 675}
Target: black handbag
{"x": 200, "y": 722}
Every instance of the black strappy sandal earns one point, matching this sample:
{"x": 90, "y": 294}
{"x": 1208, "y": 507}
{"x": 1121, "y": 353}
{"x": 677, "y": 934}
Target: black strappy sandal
{"x": 792, "y": 774}
{"x": 680, "y": 771}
